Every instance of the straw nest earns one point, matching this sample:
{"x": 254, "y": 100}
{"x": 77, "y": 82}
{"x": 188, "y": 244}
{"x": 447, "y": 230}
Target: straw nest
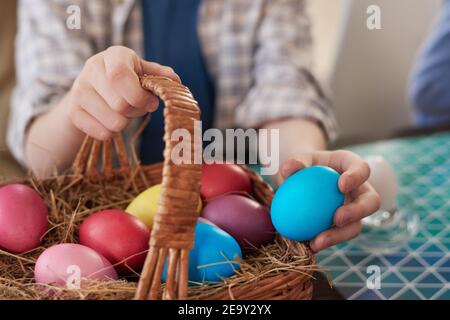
{"x": 71, "y": 199}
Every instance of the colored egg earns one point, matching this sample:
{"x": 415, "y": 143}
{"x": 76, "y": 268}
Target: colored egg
{"x": 384, "y": 180}
{"x": 304, "y": 205}
{"x": 68, "y": 263}
{"x": 214, "y": 256}
{"x": 244, "y": 219}
{"x": 218, "y": 179}
{"x": 23, "y": 218}
{"x": 120, "y": 237}
{"x": 145, "y": 205}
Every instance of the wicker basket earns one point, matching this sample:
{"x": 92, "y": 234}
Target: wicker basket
{"x": 93, "y": 170}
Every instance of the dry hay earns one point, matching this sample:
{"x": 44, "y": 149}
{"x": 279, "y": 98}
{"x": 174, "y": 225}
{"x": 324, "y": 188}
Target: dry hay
{"x": 71, "y": 199}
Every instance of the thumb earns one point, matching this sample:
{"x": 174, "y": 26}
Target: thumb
{"x": 156, "y": 69}
{"x": 289, "y": 167}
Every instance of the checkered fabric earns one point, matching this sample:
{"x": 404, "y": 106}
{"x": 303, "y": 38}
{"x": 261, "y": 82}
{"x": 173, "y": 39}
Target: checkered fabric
{"x": 259, "y": 53}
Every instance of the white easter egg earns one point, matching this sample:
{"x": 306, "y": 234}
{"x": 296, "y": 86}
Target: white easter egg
{"x": 384, "y": 180}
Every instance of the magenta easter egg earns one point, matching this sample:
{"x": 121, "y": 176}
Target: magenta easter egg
{"x": 244, "y": 219}
{"x": 23, "y": 218}
{"x": 58, "y": 263}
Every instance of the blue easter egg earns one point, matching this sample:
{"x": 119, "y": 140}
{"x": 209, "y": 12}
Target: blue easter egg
{"x": 214, "y": 255}
{"x": 304, "y": 205}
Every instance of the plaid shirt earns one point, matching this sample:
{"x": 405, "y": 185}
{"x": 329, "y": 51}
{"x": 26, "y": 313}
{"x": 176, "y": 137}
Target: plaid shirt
{"x": 258, "y": 52}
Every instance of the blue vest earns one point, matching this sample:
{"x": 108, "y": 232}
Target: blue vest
{"x": 171, "y": 39}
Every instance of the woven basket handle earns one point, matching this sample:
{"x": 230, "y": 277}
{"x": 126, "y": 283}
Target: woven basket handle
{"x": 173, "y": 227}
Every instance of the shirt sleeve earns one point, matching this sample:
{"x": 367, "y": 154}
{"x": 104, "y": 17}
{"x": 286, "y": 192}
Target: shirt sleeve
{"x": 429, "y": 88}
{"x": 49, "y": 56}
{"x": 283, "y": 83}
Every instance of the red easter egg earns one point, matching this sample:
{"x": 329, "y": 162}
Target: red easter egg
{"x": 244, "y": 219}
{"x": 119, "y": 237}
{"x": 218, "y": 179}
{"x": 23, "y": 218}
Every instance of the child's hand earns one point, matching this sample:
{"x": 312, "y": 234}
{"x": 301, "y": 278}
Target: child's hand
{"x": 107, "y": 93}
{"x": 361, "y": 199}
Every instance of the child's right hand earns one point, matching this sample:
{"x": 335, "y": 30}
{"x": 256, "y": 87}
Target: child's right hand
{"x": 107, "y": 93}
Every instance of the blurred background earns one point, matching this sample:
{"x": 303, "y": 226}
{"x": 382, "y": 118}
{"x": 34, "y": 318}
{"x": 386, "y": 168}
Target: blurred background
{"x": 366, "y": 70}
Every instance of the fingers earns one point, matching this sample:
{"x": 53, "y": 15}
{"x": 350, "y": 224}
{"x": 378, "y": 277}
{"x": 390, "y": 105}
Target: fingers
{"x": 336, "y": 235}
{"x": 366, "y": 201}
{"x": 97, "y": 78}
{"x": 108, "y": 91}
{"x": 156, "y": 69}
{"x": 88, "y": 124}
{"x": 120, "y": 64}
{"x": 93, "y": 103}
{"x": 137, "y": 113}
{"x": 355, "y": 170}
{"x": 289, "y": 167}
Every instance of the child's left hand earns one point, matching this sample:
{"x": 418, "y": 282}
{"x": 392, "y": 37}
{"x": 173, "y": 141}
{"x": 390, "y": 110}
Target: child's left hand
{"x": 361, "y": 200}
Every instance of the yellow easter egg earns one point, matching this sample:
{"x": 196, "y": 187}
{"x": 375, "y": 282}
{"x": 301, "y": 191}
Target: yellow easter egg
{"x": 145, "y": 205}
